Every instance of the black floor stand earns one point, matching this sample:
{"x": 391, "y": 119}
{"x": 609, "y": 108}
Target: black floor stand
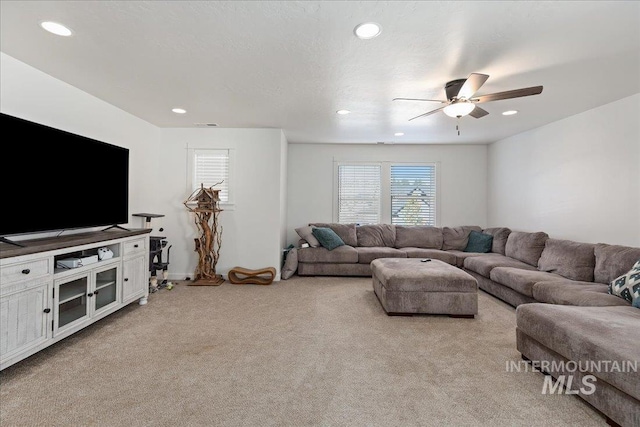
{"x": 10, "y": 242}
{"x": 116, "y": 226}
{"x": 157, "y": 245}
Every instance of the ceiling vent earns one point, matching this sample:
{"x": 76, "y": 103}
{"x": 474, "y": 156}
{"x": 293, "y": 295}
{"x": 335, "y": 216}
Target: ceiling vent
{"x": 206, "y": 125}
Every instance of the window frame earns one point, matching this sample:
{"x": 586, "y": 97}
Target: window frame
{"x": 385, "y": 186}
{"x": 336, "y": 186}
{"x": 191, "y": 185}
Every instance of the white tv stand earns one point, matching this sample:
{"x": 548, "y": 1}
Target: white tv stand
{"x": 41, "y": 304}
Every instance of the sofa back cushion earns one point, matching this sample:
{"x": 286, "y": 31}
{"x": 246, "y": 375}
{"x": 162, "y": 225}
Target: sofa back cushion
{"x": 419, "y": 236}
{"x": 376, "y": 235}
{"x": 347, "y": 232}
{"x": 569, "y": 259}
{"x": 526, "y": 247}
{"x": 500, "y": 236}
{"x": 613, "y": 261}
{"x": 457, "y": 237}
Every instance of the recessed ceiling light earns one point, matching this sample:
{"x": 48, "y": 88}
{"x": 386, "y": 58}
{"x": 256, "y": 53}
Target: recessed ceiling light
{"x": 399, "y": 134}
{"x": 179, "y": 110}
{"x": 55, "y": 28}
{"x": 367, "y": 30}
{"x": 343, "y": 112}
{"x": 510, "y": 113}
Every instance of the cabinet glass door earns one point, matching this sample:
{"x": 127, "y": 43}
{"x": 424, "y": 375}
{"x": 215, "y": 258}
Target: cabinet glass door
{"x": 106, "y": 287}
{"x": 72, "y": 300}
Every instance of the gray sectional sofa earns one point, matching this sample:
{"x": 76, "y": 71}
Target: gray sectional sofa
{"x": 564, "y": 311}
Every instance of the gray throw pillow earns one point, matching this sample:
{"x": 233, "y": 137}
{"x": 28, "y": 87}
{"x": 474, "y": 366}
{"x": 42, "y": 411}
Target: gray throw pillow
{"x": 306, "y": 233}
{"x": 290, "y": 264}
{"x": 327, "y": 237}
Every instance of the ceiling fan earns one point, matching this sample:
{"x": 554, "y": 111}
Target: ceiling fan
{"x": 461, "y": 102}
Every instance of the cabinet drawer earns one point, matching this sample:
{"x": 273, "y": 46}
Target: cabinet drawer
{"x": 134, "y": 247}
{"x": 27, "y": 270}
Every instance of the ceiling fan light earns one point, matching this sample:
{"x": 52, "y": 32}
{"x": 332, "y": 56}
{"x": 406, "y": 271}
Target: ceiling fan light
{"x": 459, "y": 109}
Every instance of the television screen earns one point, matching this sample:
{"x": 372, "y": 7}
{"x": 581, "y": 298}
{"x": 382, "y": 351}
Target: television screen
{"x": 51, "y": 179}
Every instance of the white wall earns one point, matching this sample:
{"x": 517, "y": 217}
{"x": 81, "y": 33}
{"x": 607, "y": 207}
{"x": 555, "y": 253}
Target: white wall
{"x": 577, "y": 178}
{"x": 284, "y": 153}
{"x": 251, "y": 235}
{"x": 462, "y": 179}
{"x": 33, "y": 95}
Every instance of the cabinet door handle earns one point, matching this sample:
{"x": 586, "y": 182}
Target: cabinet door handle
{"x": 126, "y": 279}
{"x": 135, "y": 246}
{"x": 96, "y": 292}
{"x": 89, "y": 294}
{"x": 26, "y": 271}
{"x": 47, "y": 310}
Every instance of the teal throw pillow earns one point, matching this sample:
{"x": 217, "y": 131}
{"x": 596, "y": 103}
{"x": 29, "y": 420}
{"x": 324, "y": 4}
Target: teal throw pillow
{"x": 636, "y": 303}
{"x": 327, "y": 237}
{"x": 479, "y": 242}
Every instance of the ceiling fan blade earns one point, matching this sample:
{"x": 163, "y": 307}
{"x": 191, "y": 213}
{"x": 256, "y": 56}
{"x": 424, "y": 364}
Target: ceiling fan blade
{"x": 516, "y": 93}
{"x": 478, "y": 112}
{"x": 427, "y": 113}
{"x": 471, "y": 85}
{"x": 417, "y": 99}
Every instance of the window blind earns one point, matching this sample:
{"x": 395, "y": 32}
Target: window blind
{"x": 359, "y": 194}
{"x": 413, "y": 195}
{"x": 211, "y": 167}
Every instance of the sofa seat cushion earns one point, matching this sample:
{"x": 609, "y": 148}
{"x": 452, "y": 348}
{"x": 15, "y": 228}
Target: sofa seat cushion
{"x": 567, "y": 292}
{"x": 366, "y": 255}
{"x": 418, "y": 236}
{"x": 376, "y": 235}
{"x": 526, "y": 247}
{"x": 462, "y": 255}
{"x": 341, "y": 254}
{"x": 569, "y": 259}
{"x": 484, "y": 264}
{"x": 520, "y": 280}
{"x": 588, "y": 335}
{"x": 430, "y": 253}
{"x": 613, "y": 260}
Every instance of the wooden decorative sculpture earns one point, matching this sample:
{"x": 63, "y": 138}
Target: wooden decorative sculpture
{"x": 204, "y": 203}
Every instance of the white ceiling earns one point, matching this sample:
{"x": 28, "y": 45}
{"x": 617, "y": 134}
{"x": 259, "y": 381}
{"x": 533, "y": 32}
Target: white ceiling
{"x": 291, "y": 65}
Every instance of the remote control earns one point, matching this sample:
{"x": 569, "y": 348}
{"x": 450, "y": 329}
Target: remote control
{"x": 425, "y": 260}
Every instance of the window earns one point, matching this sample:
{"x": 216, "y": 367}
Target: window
{"x": 385, "y": 192}
{"x": 413, "y": 195}
{"x": 358, "y": 194}
{"x": 212, "y": 168}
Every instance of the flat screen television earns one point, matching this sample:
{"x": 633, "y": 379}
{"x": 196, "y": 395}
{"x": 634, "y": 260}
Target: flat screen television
{"x": 53, "y": 180}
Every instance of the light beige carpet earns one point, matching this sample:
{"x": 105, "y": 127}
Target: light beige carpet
{"x": 301, "y": 352}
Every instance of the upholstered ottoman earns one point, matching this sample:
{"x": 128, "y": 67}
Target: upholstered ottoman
{"x": 408, "y": 286}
